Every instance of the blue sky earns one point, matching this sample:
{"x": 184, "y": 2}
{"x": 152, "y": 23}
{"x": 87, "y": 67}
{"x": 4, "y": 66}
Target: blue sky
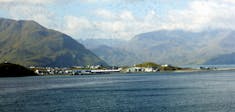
{"x": 122, "y": 19}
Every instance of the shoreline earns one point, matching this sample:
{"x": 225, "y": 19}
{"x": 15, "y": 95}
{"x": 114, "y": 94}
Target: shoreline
{"x": 176, "y": 71}
{"x": 189, "y": 70}
{"x": 200, "y": 70}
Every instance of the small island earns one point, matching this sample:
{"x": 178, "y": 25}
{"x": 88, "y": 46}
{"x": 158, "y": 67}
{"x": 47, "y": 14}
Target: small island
{"x": 152, "y": 67}
{"x": 14, "y": 70}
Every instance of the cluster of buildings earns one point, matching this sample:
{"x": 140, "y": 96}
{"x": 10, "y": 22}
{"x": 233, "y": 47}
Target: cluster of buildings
{"x": 76, "y": 70}
{"x": 146, "y": 69}
{"x": 97, "y": 69}
{"x": 141, "y": 69}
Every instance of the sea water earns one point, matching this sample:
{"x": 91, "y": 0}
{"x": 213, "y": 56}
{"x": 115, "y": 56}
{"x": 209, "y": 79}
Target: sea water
{"x": 211, "y": 91}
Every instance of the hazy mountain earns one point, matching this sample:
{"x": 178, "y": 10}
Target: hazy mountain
{"x": 222, "y": 59}
{"x": 95, "y": 43}
{"x": 176, "y": 47}
{"x": 182, "y": 47}
{"x": 28, "y": 43}
{"x": 111, "y": 50}
{"x": 116, "y": 56}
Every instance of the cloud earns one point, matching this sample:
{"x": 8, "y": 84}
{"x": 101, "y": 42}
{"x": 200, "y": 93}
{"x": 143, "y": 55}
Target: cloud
{"x": 228, "y": 1}
{"x": 124, "y": 21}
{"x": 111, "y": 25}
{"x": 121, "y": 25}
{"x": 201, "y": 15}
{"x": 31, "y": 10}
{"x": 127, "y": 16}
{"x": 76, "y": 25}
{"x": 198, "y": 13}
{"x": 28, "y": 1}
{"x": 95, "y": 1}
{"x": 105, "y": 14}
{"x": 86, "y": 28}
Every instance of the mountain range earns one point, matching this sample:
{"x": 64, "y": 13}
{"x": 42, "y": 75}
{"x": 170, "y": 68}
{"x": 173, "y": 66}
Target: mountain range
{"x": 28, "y": 43}
{"x": 222, "y": 59}
{"x": 176, "y": 47}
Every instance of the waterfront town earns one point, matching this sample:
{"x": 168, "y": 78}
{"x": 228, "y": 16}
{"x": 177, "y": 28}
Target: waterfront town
{"x": 75, "y": 70}
{"x": 147, "y": 67}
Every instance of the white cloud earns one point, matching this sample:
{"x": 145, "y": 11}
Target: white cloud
{"x": 200, "y": 15}
{"x": 95, "y": 1}
{"x": 105, "y": 14}
{"x": 197, "y": 16}
{"x": 109, "y": 25}
{"x": 76, "y": 25}
{"x": 127, "y": 16}
{"x": 122, "y": 25}
{"x": 86, "y": 28}
{"x": 33, "y": 12}
{"x": 228, "y": 1}
{"x": 125, "y": 23}
{"x": 27, "y": 1}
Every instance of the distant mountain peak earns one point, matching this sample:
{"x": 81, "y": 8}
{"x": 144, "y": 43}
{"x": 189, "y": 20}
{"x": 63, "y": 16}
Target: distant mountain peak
{"x": 177, "y": 47}
{"x": 28, "y": 43}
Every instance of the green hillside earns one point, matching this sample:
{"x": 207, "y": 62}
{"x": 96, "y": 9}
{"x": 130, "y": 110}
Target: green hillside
{"x": 28, "y": 43}
{"x": 148, "y": 64}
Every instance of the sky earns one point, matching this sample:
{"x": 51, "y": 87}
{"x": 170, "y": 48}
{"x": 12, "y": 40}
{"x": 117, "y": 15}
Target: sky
{"x": 122, "y": 19}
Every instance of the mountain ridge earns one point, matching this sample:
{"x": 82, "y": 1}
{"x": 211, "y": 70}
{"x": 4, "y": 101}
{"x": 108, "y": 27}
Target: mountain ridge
{"x": 177, "y": 47}
{"x": 224, "y": 59}
{"x": 28, "y": 43}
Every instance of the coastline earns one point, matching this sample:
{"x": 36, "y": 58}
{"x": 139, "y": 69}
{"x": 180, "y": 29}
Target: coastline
{"x": 184, "y": 70}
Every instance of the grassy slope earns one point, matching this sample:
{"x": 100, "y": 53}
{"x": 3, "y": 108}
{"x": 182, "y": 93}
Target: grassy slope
{"x": 28, "y": 43}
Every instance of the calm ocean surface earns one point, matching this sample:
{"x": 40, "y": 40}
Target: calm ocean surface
{"x": 156, "y": 92}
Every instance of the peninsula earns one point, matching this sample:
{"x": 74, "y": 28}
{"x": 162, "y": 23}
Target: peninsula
{"x": 14, "y": 70}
